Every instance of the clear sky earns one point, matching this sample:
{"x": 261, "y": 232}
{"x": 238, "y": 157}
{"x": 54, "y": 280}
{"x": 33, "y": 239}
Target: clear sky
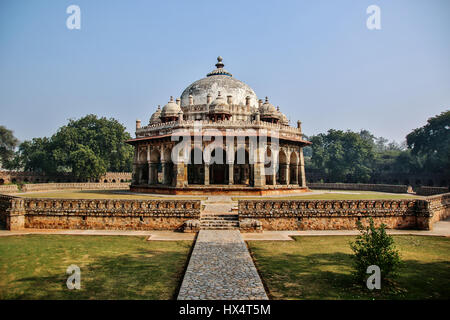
{"x": 315, "y": 59}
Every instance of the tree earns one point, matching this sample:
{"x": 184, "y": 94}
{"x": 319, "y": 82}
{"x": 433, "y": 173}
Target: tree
{"x": 432, "y": 142}
{"x": 86, "y": 148}
{"x": 8, "y": 143}
{"x": 104, "y": 137}
{"x": 36, "y": 155}
{"x": 344, "y": 156}
{"x": 86, "y": 164}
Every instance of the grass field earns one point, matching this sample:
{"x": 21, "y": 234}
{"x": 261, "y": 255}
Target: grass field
{"x": 336, "y": 195}
{"x": 101, "y": 194}
{"x": 34, "y": 267}
{"x": 320, "y": 268}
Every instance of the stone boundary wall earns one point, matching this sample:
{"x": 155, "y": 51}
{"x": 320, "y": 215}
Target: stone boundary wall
{"x": 7, "y": 176}
{"x": 110, "y": 214}
{"x": 76, "y": 186}
{"x": 9, "y": 188}
{"x": 343, "y": 214}
{"x": 428, "y": 191}
{"x": 361, "y": 187}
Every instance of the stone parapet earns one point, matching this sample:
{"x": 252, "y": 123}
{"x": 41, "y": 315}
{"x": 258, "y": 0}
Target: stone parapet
{"x": 74, "y": 186}
{"x": 428, "y": 191}
{"x": 361, "y": 187}
{"x": 344, "y": 214}
{"x": 9, "y": 188}
{"x": 110, "y": 214}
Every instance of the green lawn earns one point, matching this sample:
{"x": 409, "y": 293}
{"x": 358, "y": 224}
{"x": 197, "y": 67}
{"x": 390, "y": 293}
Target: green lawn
{"x": 102, "y": 194}
{"x": 319, "y": 267}
{"x": 112, "y": 267}
{"x": 364, "y": 195}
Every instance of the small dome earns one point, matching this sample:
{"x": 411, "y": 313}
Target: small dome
{"x": 156, "y": 117}
{"x": 219, "y": 105}
{"x": 267, "y": 110}
{"x": 171, "y": 109}
{"x": 283, "y": 119}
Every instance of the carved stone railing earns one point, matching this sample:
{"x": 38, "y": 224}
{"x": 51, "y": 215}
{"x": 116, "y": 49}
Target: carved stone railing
{"x": 164, "y": 128}
{"x": 361, "y": 187}
{"x": 324, "y": 208}
{"x": 343, "y": 214}
{"x": 113, "y": 207}
{"x": 9, "y": 188}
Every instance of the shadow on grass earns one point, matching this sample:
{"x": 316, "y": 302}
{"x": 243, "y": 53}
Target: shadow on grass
{"x": 145, "y": 274}
{"x": 329, "y": 276}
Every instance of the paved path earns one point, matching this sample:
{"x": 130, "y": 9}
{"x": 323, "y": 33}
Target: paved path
{"x": 440, "y": 228}
{"x": 221, "y": 268}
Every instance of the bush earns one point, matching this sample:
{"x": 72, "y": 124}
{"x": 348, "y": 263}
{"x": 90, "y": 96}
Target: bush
{"x": 374, "y": 247}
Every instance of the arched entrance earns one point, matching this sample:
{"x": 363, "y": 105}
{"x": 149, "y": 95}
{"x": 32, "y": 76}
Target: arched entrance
{"x": 196, "y": 167}
{"x": 218, "y": 168}
{"x": 167, "y": 167}
{"x": 293, "y": 169}
{"x": 282, "y": 171}
{"x": 155, "y": 167}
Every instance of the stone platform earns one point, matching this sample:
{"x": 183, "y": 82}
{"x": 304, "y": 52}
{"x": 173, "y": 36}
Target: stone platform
{"x": 221, "y": 268}
{"x": 219, "y": 189}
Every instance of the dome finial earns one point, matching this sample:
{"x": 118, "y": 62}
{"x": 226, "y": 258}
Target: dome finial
{"x": 219, "y": 63}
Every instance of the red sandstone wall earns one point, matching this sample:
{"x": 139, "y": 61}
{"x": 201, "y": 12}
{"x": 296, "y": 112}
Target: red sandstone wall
{"x": 343, "y": 214}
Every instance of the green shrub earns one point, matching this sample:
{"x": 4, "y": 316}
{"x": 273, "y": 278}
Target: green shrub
{"x": 373, "y": 246}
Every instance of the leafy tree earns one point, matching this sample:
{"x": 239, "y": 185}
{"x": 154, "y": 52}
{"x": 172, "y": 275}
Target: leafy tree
{"x": 100, "y": 141}
{"x": 7, "y": 145}
{"x": 344, "y": 156}
{"x": 86, "y": 164}
{"x": 36, "y": 155}
{"x": 432, "y": 143}
{"x": 373, "y": 246}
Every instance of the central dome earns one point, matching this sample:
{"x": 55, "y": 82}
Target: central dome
{"x": 219, "y": 80}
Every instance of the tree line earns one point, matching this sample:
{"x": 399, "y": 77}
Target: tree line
{"x": 347, "y": 156}
{"x": 86, "y": 148}
{"x": 90, "y": 146}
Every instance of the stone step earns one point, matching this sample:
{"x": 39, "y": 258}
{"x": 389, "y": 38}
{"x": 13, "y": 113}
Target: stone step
{"x": 219, "y": 223}
{"x": 219, "y": 228}
{"x": 214, "y": 217}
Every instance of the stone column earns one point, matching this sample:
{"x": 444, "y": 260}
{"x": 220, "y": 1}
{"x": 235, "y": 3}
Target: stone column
{"x": 258, "y": 169}
{"x": 287, "y": 173}
{"x": 302, "y": 176}
{"x": 230, "y": 174}
{"x": 206, "y": 174}
{"x": 180, "y": 173}
{"x": 150, "y": 173}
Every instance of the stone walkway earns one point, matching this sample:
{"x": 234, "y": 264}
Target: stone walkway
{"x": 221, "y": 268}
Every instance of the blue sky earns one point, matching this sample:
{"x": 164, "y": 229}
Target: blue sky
{"x": 315, "y": 59}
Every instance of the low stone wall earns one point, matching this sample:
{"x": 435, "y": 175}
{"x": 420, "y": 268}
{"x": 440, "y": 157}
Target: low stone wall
{"x": 361, "y": 187}
{"x": 7, "y": 176}
{"x": 110, "y": 214}
{"x": 74, "y": 186}
{"x": 428, "y": 191}
{"x": 343, "y": 214}
{"x": 9, "y": 188}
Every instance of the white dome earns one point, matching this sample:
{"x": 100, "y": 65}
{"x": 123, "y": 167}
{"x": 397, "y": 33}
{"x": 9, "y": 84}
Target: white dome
{"x": 219, "y": 80}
